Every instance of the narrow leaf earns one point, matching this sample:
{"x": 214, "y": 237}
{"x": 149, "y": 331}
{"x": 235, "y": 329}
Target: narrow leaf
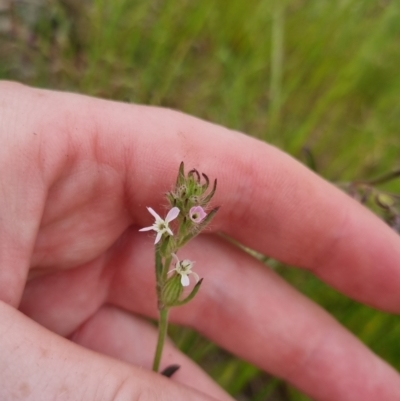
{"x": 190, "y": 296}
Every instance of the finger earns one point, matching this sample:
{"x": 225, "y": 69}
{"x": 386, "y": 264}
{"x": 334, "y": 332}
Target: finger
{"x": 36, "y": 364}
{"x": 47, "y": 188}
{"x": 253, "y": 313}
{"x": 64, "y": 300}
{"x": 269, "y": 201}
{"x": 22, "y": 198}
{"x": 276, "y": 206}
{"x": 243, "y": 307}
{"x": 123, "y": 336}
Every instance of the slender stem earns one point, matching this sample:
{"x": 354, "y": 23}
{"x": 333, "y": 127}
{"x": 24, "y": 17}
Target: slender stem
{"x": 162, "y": 331}
{"x": 159, "y": 272}
{"x": 277, "y": 60}
{"x": 382, "y": 179}
{"x": 166, "y": 267}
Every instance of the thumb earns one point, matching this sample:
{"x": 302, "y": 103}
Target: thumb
{"x": 36, "y": 364}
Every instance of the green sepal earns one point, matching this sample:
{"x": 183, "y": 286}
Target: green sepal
{"x": 181, "y": 175}
{"x": 207, "y": 199}
{"x": 165, "y": 246}
{"x": 172, "y": 291}
{"x": 206, "y": 185}
{"x": 192, "y": 173}
{"x": 171, "y": 199}
{"x": 199, "y": 227}
{"x": 193, "y": 293}
{"x": 209, "y": 217}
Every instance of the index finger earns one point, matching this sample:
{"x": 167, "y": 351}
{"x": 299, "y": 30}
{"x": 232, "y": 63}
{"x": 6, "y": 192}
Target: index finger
{"x": 270, "y": 202}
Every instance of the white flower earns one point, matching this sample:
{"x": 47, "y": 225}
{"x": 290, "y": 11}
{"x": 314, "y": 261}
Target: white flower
{"x": 184, "y": 268}
{"x": 161, "y": 226}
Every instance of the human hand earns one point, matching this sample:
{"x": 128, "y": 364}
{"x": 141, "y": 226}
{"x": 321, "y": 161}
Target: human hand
{"x": 77, "y": 176}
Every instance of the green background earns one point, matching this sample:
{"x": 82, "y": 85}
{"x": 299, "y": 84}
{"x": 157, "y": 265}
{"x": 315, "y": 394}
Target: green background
{"x": 320, "y": 79}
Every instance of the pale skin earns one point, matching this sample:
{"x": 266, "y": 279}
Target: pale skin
{"x": 77, "y": 174}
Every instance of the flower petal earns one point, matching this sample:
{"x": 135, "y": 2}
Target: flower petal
{"x": 172, "y": 214}
{"x": 175, "y": 257}
{"x": 199, "y": 212}
{"x": 196, "y": 276}
{"x": 185, "y": 280}
{"x": 169, "y": 231}
{"x": 158, "y": 237}
{"x": 154, "y": 214}
{"x": 147, "y": 228}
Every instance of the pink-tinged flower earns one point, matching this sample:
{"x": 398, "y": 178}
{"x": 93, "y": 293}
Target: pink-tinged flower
{"x": 161, "y": 226}
{"x": 184, "y": 268}
{"x": 197, "y": 214}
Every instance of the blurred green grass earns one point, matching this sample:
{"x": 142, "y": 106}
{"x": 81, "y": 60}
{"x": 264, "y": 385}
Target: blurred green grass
{"x": 310, "y": 74}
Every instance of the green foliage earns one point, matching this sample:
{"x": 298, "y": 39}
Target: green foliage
{"x": 320, "y": 75}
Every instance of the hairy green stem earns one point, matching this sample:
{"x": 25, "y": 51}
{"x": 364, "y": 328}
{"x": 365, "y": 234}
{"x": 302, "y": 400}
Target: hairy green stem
{"x": 166, "y": 267}
{"x": 162, "y": 331}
